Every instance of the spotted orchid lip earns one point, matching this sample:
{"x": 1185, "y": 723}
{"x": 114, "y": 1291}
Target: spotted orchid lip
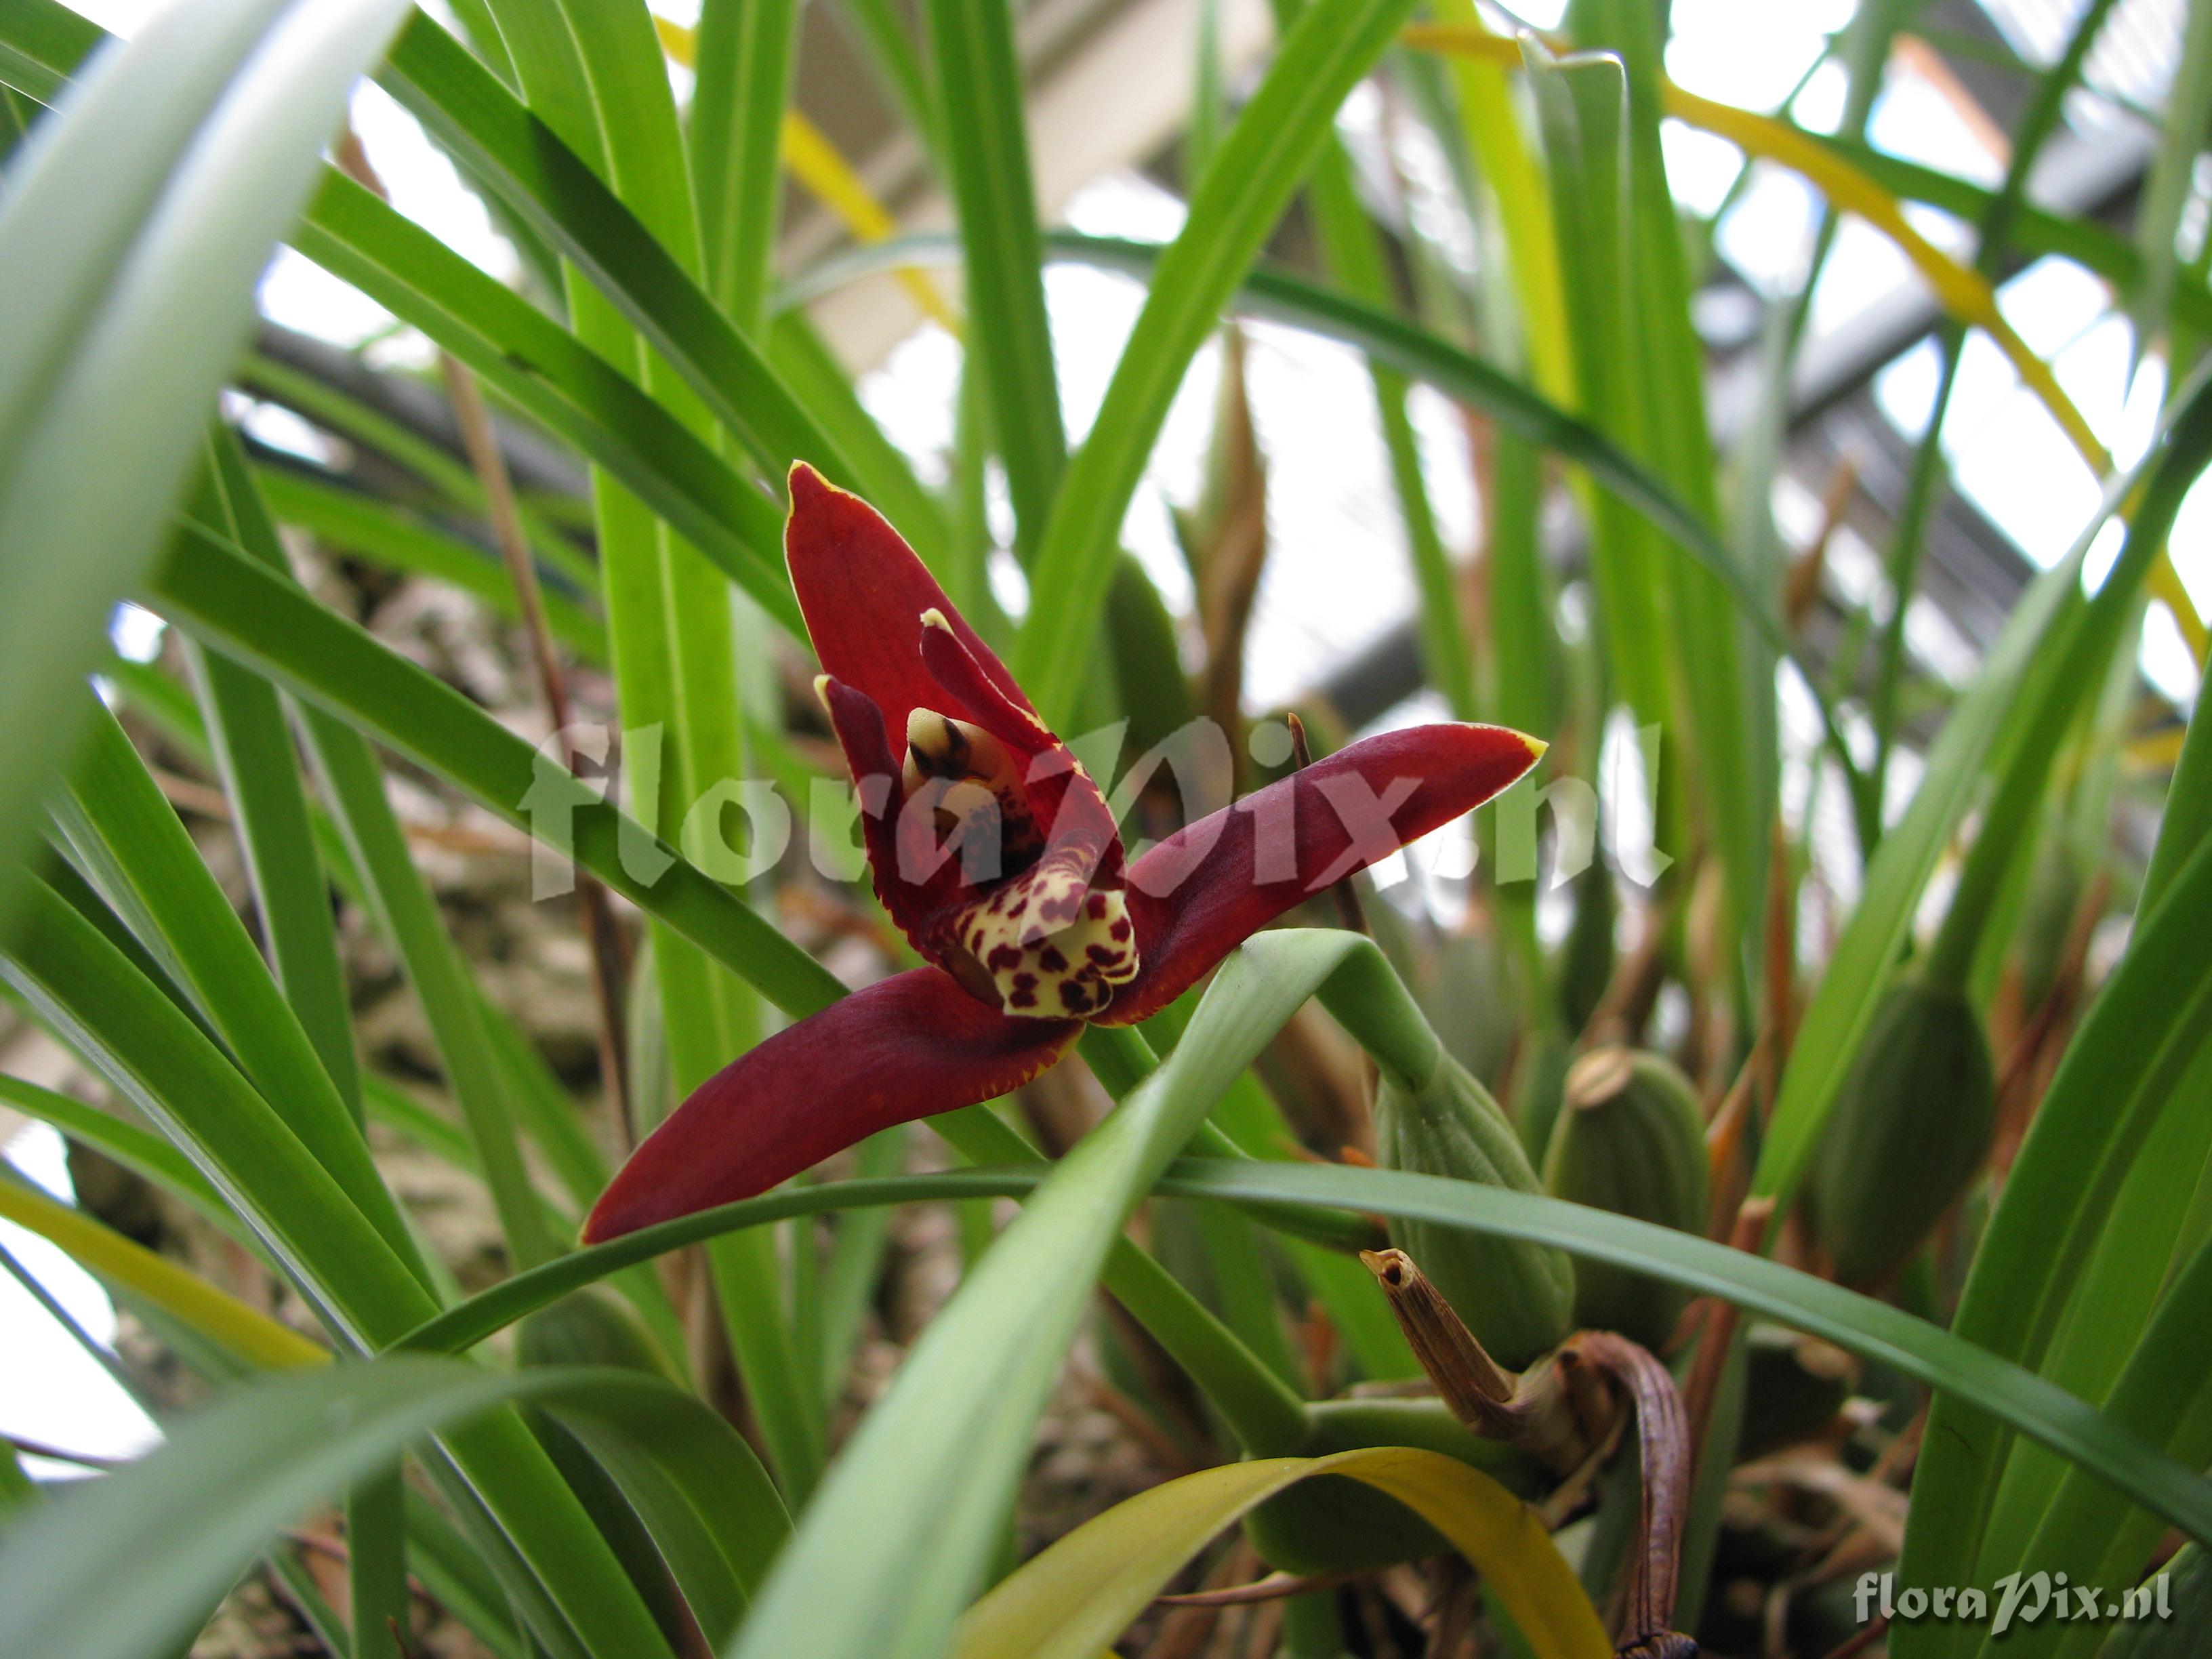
{"x": 969, "y": 1027}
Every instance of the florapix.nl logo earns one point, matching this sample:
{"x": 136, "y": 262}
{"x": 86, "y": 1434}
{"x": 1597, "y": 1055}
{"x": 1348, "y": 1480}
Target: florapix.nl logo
{"x": 735, "y": 829}
{"x": 2016, "y": 1599}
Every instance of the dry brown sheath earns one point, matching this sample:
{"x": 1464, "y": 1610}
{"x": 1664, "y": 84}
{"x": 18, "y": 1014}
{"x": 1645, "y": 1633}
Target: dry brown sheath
{"x": 1539, "y": 1412}
{"x": 1560, "y": 1412}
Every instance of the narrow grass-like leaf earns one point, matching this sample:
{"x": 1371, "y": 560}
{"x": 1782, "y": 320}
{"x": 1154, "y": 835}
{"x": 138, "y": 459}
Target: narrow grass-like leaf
{"x": 125, "y": 826}
{"x": 746, "y": 49}
{"x": 541, "y": 369}
{"x": 2118, "y": 1075}
{"x": 2090, "y": 1531}
{"x": 595, "y": 74}
{"x": 152, "y": 1054}
{"x": 354, "y": 522}
{"x": 1727, "y": 680}
{"x": 133, "y": 226}
{"x": 84, "y": 987}
{"x": 1866, "y": 1327}
{"x": 353, "y": 788}
{"x": 1582, "y": 104}
{"x": 543, "y": 179}
{"x": 407, "y": 915}
{"x": 1841, "y": 1007}
{"x": 274, "y": 1449}
{"x": 251, "y": 746}
{"x": 914, "y": 1504}
{"x": 1260, "y": 163}
{"x": 1267, "y": 292}
{"x": 376, "y": 1558}
{"x": 337, "y": 411}
{"x": 136, "y": 1149}
{"x": 985, "y": 158}
{"x": 2173, "y": 172}
{"x": 209, "y": 588}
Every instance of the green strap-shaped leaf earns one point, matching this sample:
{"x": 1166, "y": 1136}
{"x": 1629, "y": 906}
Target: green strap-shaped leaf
{"x": 1866, "y": 1327}
{"x": 1726, "y": 680}
{"x": 389, "y": 535}
{"x": 542, "y": 177}
{"x": 252, "y": 745}
{"x": 2121, "y": 1072}
{"x": 339, "y": 411}
{"x": 1582, "y": 102}
{"x": 1246, "y": 187}
{"x": 123, "y": 828}
{"x": 137, "y": 1149}
{"x": 2087, "y": 1530}
{"x": 153, "y": 1055}
{"x": 912, "y": 1507}
{"x": 353, "y": 786}
{"x": 1420, "y": 355}
{"x": 1989, "y": 714}
{"x": 746, "y": 52}
{"x": 544, "y": 370}
{"x": 275, "y": 1448}
{"x": 986, "y": 156}
{"x": 132, "y": 228}
{"x": 210, "y": 588}
{"x": 521, "y": 353}
{"x": 144, "y": 1279}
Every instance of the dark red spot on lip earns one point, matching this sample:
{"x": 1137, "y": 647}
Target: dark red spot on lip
{"x": 1004, "y": 959}
{"x": 1120, "y": 930}
{"x": 1074, "y": 997}
{"x": 1051, "y": 961}
{"x": 1101, "y": 955}
{"x": 1097, "y": 905}
{"x": 1020, "y": 999}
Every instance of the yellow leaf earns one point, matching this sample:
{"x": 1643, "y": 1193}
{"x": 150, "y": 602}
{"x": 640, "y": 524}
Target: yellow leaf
{"x": 192, "y": 1301}
{"x": 1073, "y": 1599}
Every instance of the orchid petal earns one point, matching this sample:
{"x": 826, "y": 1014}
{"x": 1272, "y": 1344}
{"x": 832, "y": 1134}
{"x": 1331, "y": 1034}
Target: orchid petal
{"x": 907, "y": 1047}
{"x": 863, "y": 592}
{"x": 859, "y": 727}
{"x": 1206, "y": 888}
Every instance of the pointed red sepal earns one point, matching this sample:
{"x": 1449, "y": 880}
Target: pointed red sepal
{"x": 1206, "y": 888}
{"x": 863, "y": 592}
{"x": 909, "y": 1047}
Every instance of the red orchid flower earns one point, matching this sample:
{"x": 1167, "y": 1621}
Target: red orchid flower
{"x": 995, "y": 853}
